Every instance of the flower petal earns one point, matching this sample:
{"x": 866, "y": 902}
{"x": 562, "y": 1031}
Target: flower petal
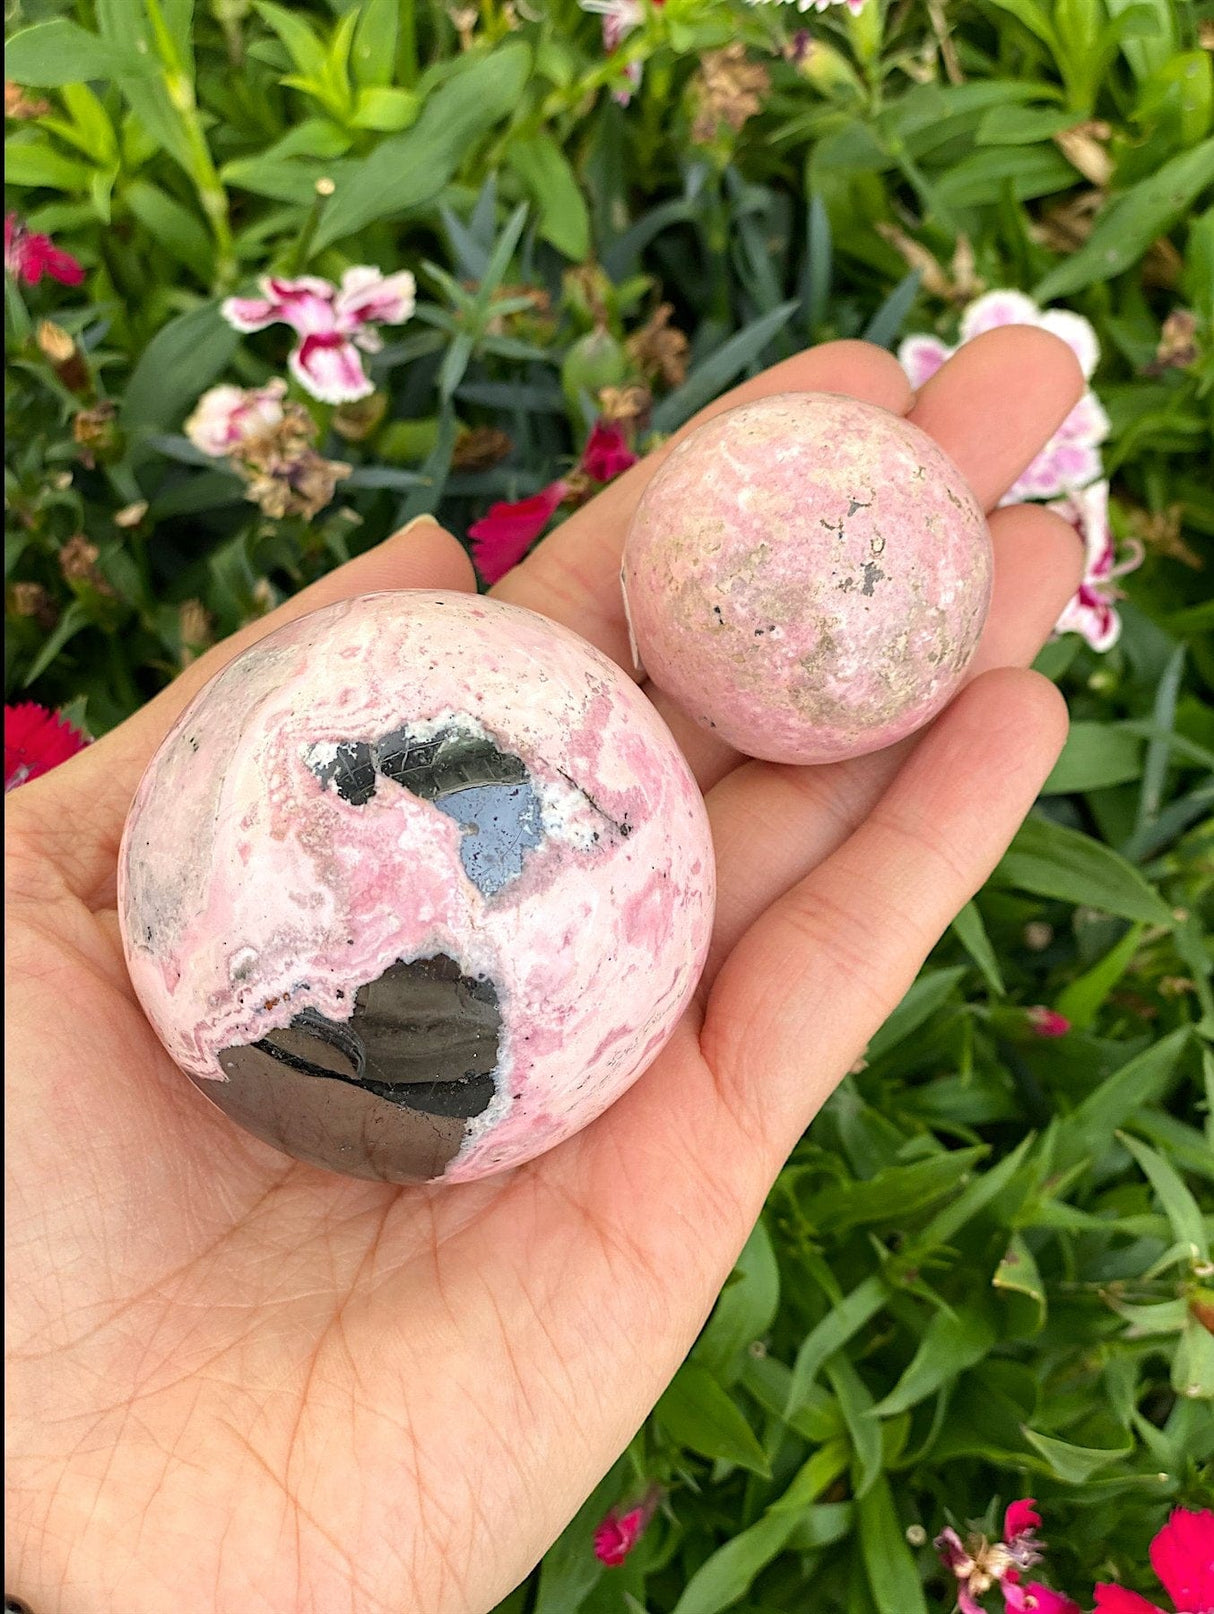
{"x": 1183, "y": 1557}
{"x": 1037, "y": 1599}
{"x": 998, "y": 308}
{"x": 921, "y": 356}
{"x": 329, "y": 367}
{"x": 1117, "y": 1600}
{"x": 35, "y": 741}
{"x": 1078, "y": 334}
{"x": 501, "y": 538}
{"x": 1093, "y": 618}
{"x": 1021, "y": 1517}
{"x": 367, "y": 296}
{"x": 607, "y": 454}
{"x": 250, "y": 313}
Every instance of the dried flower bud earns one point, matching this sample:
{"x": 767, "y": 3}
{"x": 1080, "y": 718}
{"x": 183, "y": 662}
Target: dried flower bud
{"x": 95, "y": 430}
{"x": 60, "y": 349}
{"x": 728, "y": 91}
{"x": 625, "y": 406}
{"x": 480, "y": 448}
{"x": 32, "y": 600}
{"x": 196, "y": 629}
{"x": 1178, "y": 347}
{"x": 21, "y": 107}
{"x": 78, "y": 562}
{"x": 659, "y": 349}
{"x": 131, "y": 514}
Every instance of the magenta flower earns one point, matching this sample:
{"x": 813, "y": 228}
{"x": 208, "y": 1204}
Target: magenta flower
{"x": 607, "y": 454}
{"x": 501, "y": 538}
{"x": 227, "y": 416}
{"x": 1182, "y": 1555}
{"x": 35, "y": 741}
{"x": 1071, "y": 458}
{"x": 1090, "y": 611}
{"x": 333, "y": 324}
{"x": 619, "y": 1532}
{"x": 1046, "y": 1023}
{"x": 28, "y": 256}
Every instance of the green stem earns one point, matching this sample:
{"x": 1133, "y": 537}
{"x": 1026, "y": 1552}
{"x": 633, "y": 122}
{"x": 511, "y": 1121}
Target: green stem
{"x": 408, "y": 44}
{"x": 211, "y": 194}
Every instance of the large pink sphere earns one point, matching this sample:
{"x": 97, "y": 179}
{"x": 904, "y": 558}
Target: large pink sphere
{"x": 416, "y": 886}
{"x": 809, "y": 576}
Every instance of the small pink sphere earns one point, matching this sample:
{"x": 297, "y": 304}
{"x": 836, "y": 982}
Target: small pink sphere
{"x": 808, "y": 576}
{"x": 416, "y": 886}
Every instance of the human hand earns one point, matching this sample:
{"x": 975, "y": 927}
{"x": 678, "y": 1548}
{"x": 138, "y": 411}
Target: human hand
{"x": 289, "y": 1391}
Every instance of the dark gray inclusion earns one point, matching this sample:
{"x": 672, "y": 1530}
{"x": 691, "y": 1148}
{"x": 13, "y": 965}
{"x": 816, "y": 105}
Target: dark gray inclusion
{"x": 486, "y": 790}
{"x": 386, "y": 1094}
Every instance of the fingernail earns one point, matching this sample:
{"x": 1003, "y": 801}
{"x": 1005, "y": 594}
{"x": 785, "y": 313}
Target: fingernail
{"x": 416, "y": 522}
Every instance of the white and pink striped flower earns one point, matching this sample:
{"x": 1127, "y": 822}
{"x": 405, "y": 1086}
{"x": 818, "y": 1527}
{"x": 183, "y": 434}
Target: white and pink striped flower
{"x": 333, "y": 324}
{"x": 1091, "y": 612}
{"x": 1071, "y": 458}
{"x": 227, "y": 416}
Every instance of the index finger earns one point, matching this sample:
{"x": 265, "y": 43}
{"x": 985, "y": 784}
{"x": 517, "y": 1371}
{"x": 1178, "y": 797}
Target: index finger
{"x": 574, "y": 576}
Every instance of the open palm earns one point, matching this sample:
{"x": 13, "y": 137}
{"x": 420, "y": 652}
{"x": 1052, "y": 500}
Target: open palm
{"x": 237, "y": 1379}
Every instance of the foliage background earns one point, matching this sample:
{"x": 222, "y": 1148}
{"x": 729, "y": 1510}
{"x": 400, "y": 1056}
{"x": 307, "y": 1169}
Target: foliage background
{"x": 986, "y": 1270}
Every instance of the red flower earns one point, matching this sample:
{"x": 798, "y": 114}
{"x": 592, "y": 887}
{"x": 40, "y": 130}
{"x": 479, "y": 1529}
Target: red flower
{"x": 1034, "y": 1598}
{"x": 35, "y": 741}
{"x": 501, "y": 538}
{"x": 619, "y": 1532}
{"x": 1021, "y": 1518}
{"x": 607, "y": 454}
{"x": 1048, "y": 1023}
{"x": 28, "y": 256}
{"x": 1183, "y": 1557}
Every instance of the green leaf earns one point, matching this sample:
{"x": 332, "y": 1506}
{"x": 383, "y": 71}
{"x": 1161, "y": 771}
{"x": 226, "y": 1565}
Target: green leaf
{"x": 408, "y": 170}
{"x": 550, "y": 181}
{"x": 1179, "y": 1206}
{"x": 1083, "y": 998}
{"x": 172, "y": 226}
{"x": 864, "y": 1432}
{"x": 952, "y": 1342}
{"x": 53, "y": 53}
{"x": 745, "y": 1309}
{"x": 1073, "y": 1464}
{"x": 1193, "y": 1363}
{"x": 971, "y": 933}
{"x": 696, "y": 1412}
{"x": 383, "y": 107}
{"x": 725, "y": 1577}
{"x": 719, "y": 369}
{"x": 373, "y": 58}
{"x": 929, "y": 993}
{"x": 1089, "y": 1129}
{"x": 886, "y": 324}
{"x": 180, "y": 361}
{"x": 833, "y": 1332}
{"x": 1128, "y": 225}
{"x": 893, "y": 1194}
{"x": 35, "y": 163}
{"x": 889, "y": 1565}
{"x": 1036, "y": 19}
{"x": 69, "y": 625}
{"x": 1052, "y": 861}
{"x": 1018, "y": 1272}
{"x": 305, "y": 49}
{"x": 1095, "y": 756}
{"x": 947, "y": 1223}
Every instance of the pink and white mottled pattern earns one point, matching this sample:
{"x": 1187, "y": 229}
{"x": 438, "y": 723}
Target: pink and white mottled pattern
{"x": 1091, "y": 612}
{"x": 227, "y": 416}
{"x": 808, "y": 575}
{"x": 249, "y": 890}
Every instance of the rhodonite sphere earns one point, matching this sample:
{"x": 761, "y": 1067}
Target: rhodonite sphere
{"x": 416, "y": 886}
{"x": 808, "y": 575}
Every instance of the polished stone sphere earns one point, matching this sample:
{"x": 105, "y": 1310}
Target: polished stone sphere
{"x": 808, "y": 576}
{"x": 416, "y": 886}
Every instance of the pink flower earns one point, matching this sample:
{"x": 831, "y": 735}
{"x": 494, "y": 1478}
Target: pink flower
{"x": 227, "y": 416}
{"x": 979, "y": 1564}
{"x": 1071, "y": 458}
{"x": 1035, "y": 1598}
{"x": 607, "y": 454}
{"x": 35, "y": 741}
{"x": 1183, "y": 1557}
{"x": 619, "y": 1532}
{"x": 1090, "y": 611}
{"x": 28, "y": 256}
{"x": 333, "y": 323}
{"x": 1046, "y": 1023}
{"x": 501, "y": 538}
